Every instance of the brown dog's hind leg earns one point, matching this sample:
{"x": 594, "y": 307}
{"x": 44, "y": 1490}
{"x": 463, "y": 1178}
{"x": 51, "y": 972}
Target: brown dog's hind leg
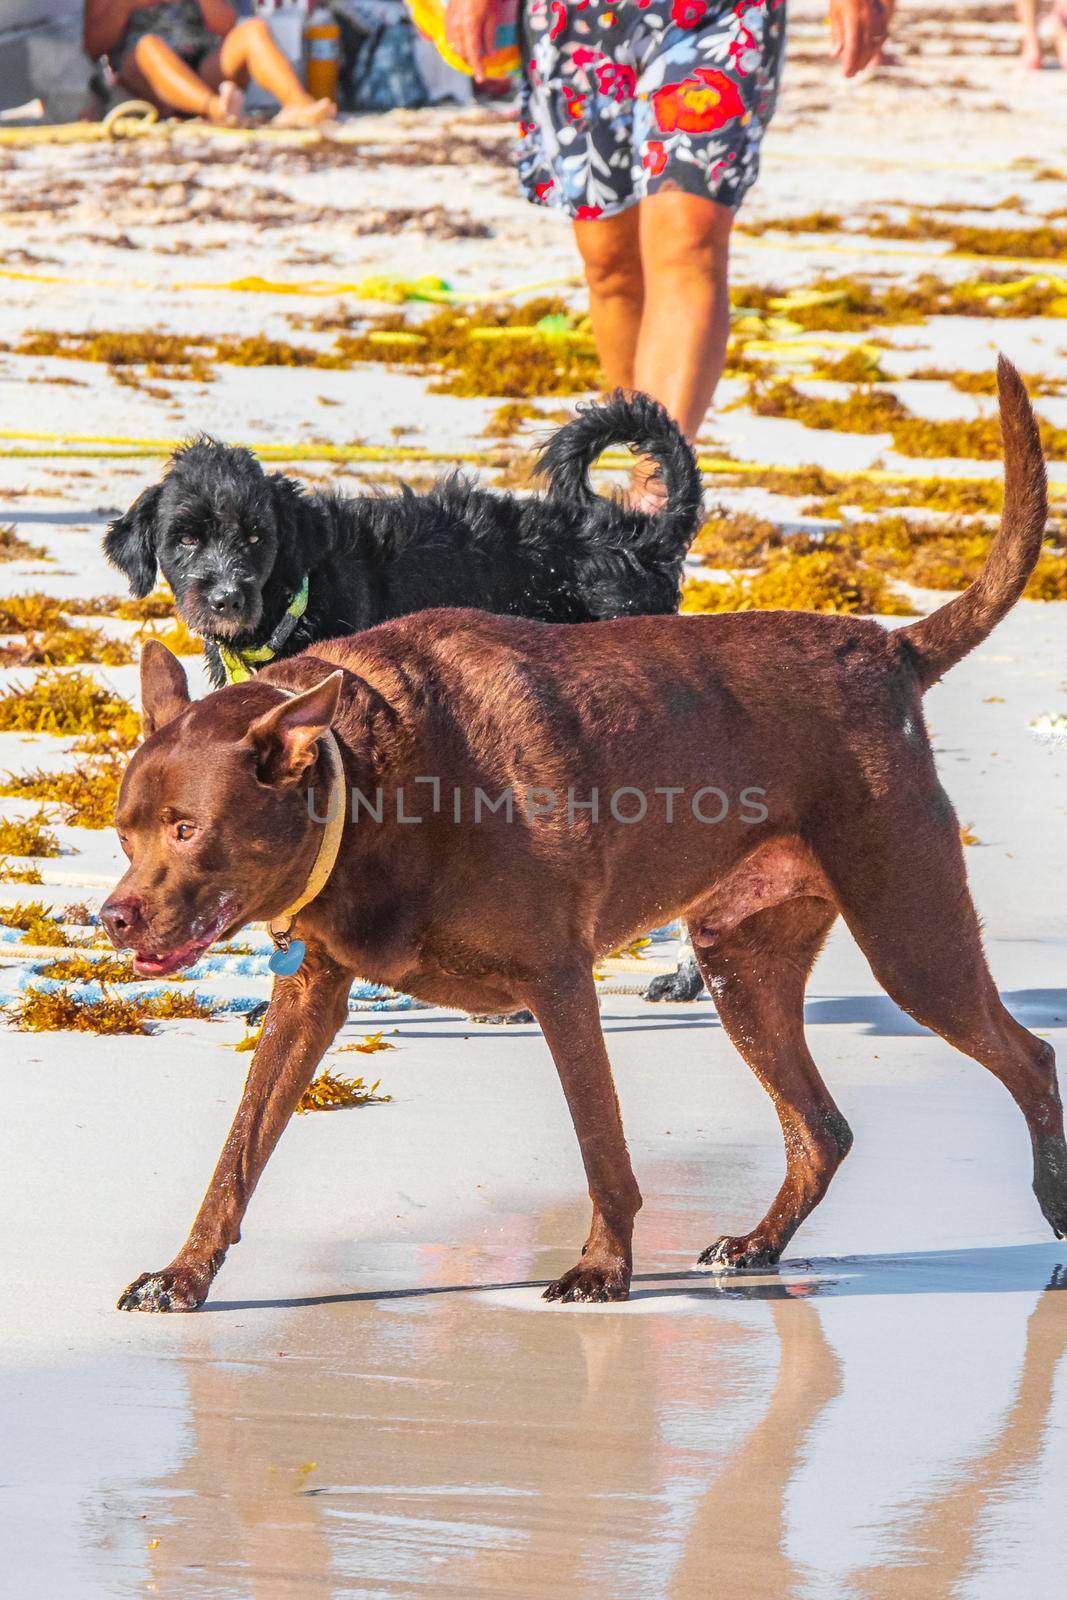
{"x": 912, "y": 915}
{"x": 756, "y": 976}
{"x": 569, "y": 1014}
{"x": 304, "y": 1014}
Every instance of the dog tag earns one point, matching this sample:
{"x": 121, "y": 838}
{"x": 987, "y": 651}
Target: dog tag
{"x": 283, "y": 963}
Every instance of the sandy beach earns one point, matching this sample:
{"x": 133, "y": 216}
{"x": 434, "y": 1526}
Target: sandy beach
{"x": 376, "y": 1402}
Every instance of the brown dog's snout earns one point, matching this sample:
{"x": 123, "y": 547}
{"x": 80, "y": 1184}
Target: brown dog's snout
{"x": 123, "y": 919}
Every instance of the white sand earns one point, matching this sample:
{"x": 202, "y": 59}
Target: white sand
{"x": 375, "y": 1401}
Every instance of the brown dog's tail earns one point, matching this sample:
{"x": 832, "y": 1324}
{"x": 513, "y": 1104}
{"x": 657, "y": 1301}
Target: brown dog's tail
{"x": 945, "y": 637}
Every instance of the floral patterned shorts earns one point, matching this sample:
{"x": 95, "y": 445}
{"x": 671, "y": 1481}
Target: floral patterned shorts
{"x": 622, "y": 100}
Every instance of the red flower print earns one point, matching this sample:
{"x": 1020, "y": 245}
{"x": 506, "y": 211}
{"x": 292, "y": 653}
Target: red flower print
{"x": 544, "y": 188}
{"x": 687, "y": 13}
{"x": 589, "y": 213}
{"x": 697, "y": 104}
{"x": 616, "y": 80}
{"x": 655, "y": 157}
{"x": 559, "y": 19}
{"x": 575, "y": 103}
{"x": 745, "y": 43}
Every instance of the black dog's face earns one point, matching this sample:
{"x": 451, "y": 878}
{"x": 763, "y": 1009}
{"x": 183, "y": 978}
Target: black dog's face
{"x": 212, "y": 528}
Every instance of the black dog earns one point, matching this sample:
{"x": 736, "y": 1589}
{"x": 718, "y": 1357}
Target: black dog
{"x": 262, "y": 569}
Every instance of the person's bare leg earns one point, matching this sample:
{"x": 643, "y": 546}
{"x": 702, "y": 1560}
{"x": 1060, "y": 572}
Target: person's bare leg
{"x": 156, "y": 69}
{"x": 1059, "y": 32}
{"x": 611, "y": 255}
{"x": 685, "y": 253}
{"x": 250, "y": 51}
{"x": 1030, "y": 48}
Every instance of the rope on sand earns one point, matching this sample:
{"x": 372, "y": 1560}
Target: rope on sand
{"x": 128, "y": 121}
{"x": 393, "y": 291}
{"x": 1022, "y": 166}
{"x": 134, "y": 119}
{"x": 105, "y": 447}
{"x": 131, "y": 118}
{"x": 436, "y": 291}
{"x": 907, "y": 253}
{"x": 389, "y": 291}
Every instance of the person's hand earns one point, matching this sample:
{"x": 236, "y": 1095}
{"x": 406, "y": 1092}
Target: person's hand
{"x": 858, "y": 30}
{"x": 470, "y": 29}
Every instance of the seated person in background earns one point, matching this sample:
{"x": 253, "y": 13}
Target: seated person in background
{"x": 193, "y": 56}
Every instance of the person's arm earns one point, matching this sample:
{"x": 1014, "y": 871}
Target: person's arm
{"x": 219, "y": 17}
{"x": 858, "y": 30}
{"x": 470, "y": 29}
{"x": 105, "y": 23}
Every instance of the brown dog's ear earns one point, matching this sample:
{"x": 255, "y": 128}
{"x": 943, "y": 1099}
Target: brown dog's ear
{"x": 164, "y": 687}
{"x": 285, "y": 740}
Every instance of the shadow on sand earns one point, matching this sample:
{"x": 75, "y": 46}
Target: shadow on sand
{"x": 996, "y": 1269}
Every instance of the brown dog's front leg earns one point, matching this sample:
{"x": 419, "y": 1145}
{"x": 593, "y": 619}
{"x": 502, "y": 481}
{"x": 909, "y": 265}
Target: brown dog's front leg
{"x": 304, "y": 1014}
{"x": 569, "y": 1014}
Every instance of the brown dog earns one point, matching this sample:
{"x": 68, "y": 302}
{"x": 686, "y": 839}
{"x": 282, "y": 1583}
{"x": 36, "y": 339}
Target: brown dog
{"x": 757, "y": 774}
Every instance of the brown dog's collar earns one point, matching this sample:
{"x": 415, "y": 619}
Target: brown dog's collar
{"x": 329, "y": 845}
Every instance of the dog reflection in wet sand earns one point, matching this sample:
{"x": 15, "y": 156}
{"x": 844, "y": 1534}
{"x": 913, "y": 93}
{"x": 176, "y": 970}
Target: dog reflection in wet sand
{"x": 823, "y": 713}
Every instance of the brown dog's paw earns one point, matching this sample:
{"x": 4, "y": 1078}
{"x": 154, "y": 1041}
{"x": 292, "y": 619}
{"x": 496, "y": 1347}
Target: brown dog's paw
{"x": 587, "y": 1282}
{"x": 731, "y": 1254}
{"x": 1050, "y": 1182}
{"x": 173, "y": 1289}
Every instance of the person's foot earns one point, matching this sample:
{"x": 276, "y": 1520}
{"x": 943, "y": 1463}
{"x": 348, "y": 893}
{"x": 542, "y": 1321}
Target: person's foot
{"x": 225, "y": 107}
{"x": 648, "y": 492}
{"x": 1030, "y": 53}
{"x": 305, "y": 115}
{"x": 1059, "y": 35}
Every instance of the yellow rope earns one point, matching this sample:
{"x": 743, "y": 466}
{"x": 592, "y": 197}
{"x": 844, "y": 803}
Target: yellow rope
{"x": 89, "y": 132}
{"x": 134, "y": 119}
{"x": 392, "y": 291}
{"x": 395, "y": 291}
{"x": 782, "y": 157}
{"x": 130, "y": 119}
{"x": 799, "y": 347}
{"x": 106, "y": 447}
{"x": 383, "y": 288}
{"x": 1035, "y": 264}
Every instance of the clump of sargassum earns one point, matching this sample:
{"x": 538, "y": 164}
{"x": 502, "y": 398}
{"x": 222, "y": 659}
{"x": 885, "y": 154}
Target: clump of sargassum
{"x": 849, "y": 567}
{"x": 332, "y": 1091}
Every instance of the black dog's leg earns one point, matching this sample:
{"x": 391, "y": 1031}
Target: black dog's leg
{"x": 684, "y": 983}
{"x": 507, "y": 1017}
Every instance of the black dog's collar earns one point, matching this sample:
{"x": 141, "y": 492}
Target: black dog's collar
{"x": 239, "y": 665}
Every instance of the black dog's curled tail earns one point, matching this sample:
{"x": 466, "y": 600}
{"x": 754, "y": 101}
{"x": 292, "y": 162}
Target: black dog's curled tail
{"x": 641, "y": 423}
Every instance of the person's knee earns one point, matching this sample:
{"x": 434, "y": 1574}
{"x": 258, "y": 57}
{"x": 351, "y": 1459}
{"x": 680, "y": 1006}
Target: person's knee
{"x": 251, "y": 30}
{"x": 612, "y": 268}
{"x": 694, "y": 237}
